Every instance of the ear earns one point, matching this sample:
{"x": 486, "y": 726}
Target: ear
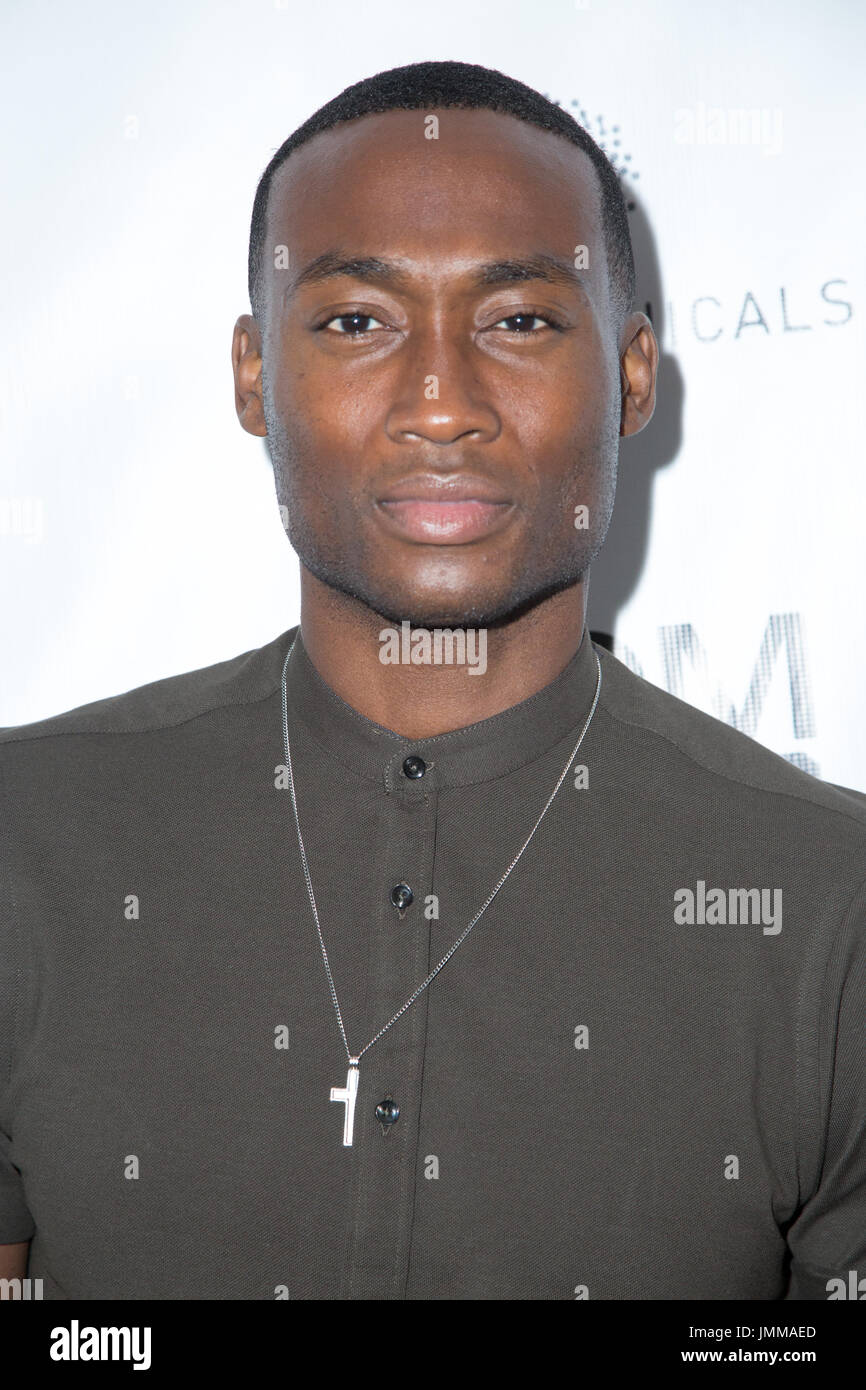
{"x": 247, "y": 368}
{"x": 638, "y": 364}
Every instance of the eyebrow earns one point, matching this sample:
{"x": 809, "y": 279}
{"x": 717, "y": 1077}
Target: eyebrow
{"x": 541, "y": 266}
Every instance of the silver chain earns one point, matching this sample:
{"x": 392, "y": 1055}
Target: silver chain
{"x": 459, "y": 942}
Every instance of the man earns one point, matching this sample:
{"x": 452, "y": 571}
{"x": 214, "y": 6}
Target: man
{"x": 427, "y": 952}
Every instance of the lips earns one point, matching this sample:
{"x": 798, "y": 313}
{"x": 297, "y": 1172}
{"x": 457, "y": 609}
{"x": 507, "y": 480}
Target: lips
{"x": 459, "y": 487}
{"x": 445, "y": 511}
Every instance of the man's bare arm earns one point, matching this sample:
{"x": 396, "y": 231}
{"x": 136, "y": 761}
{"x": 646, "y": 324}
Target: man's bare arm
{"x": 13, "y": 1260}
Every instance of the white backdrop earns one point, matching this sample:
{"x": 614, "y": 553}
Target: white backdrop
{"x": 139, "y": 532}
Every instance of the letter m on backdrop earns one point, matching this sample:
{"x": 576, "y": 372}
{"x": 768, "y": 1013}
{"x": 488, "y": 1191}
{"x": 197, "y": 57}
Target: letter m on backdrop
{"x": 782, "y": 641}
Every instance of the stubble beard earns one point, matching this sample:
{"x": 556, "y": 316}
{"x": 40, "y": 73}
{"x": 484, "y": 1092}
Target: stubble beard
{"x": 551, "y": 575}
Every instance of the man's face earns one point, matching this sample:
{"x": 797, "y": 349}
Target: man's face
{"x": 435, "y": 432}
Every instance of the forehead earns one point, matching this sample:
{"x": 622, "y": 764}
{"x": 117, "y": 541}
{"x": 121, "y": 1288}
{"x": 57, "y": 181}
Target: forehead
{"x": 489, "y": 181}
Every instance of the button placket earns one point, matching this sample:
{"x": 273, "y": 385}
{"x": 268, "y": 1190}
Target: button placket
{"x": 399, "y": 961}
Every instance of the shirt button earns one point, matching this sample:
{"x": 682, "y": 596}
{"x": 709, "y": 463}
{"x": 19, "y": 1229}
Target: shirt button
{"x": 414, "y": 766}
{"x": 401, "y": 895}
{"x": 387, "y": 1112}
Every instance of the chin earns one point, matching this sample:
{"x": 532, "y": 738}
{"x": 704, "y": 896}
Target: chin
{"x": 429, "y": 615}
{"x": 479, "y": 611}
{"x": 425, "y": 606}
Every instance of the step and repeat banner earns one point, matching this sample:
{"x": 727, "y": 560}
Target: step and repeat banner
{"x": 139, "y": 532}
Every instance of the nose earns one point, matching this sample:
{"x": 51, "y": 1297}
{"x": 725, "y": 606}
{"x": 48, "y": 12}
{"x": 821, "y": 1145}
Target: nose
{"x": 439, "y": 394}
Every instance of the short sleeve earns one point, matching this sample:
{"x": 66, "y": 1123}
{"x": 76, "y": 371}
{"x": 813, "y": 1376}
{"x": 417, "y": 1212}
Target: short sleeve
{"x": 16, "y": 1223}
{"x": 827, "y": 1239}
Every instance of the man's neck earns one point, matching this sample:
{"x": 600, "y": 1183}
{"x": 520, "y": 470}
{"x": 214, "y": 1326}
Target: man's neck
{"x": 434, "y": 696}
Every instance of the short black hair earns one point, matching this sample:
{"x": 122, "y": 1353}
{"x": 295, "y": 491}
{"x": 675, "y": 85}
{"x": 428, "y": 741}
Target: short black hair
{"x": 426, "y": 86}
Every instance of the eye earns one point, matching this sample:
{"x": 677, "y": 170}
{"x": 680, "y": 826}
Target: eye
{"x": 524, "y": 318}
{"x": 357, "y": 319}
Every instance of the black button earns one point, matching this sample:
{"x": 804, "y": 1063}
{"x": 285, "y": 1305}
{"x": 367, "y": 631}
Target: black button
{"x": 401, "y": 895}
{"x": 387, "y": 1112}
{"x": 414, "y": 766}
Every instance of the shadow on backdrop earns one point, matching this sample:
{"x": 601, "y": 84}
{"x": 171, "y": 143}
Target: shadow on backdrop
{"x": 617, "y": 569}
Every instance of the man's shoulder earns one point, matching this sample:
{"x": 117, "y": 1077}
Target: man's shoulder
{"x": 166, "y": 703}
{"x": 715, "y": 752}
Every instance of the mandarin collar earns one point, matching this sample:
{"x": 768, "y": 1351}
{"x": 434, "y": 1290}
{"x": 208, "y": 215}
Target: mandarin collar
{"x": 463, "y": 757}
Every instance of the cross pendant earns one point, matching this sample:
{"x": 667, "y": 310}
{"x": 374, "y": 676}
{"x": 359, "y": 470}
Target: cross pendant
{"x": 348, "y": 1094}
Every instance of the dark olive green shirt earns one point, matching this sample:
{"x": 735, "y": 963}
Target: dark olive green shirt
{"x": 641, "y": 1076}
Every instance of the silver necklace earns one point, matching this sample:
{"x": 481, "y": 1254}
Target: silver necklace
{"x": 348, "y": 1094}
